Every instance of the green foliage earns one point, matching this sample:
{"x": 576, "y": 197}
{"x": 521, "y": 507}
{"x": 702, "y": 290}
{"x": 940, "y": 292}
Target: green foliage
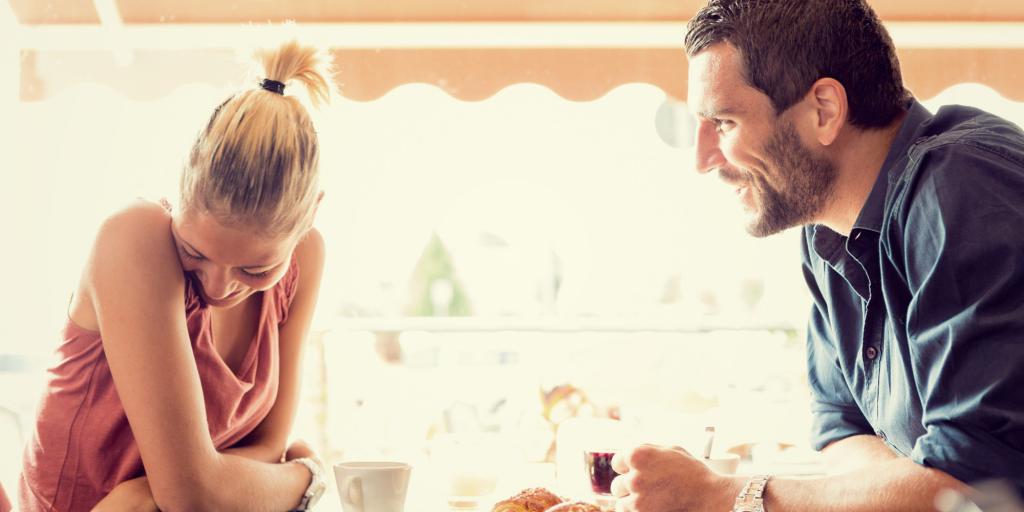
{"x": 435, "y": 269}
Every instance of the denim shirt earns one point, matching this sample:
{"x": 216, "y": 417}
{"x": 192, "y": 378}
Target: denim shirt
{"x": 917, "y": 330}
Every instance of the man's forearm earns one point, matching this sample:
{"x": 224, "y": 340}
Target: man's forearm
{"x": 892, "y": 485}
{"x": 856, "y": 452}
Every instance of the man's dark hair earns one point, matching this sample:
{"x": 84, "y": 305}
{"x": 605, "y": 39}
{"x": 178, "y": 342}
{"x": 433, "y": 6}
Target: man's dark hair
{"x": 787, "y": 45}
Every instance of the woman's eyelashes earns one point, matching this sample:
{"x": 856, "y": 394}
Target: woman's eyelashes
{"x": 256, "y": 275}
{"x": 191, "y": 256}
{"x": 245, "y": 273}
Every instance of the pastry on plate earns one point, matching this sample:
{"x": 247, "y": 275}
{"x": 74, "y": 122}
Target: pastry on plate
{"x": 535, "y": 499}
{"x": 575, "y": 506}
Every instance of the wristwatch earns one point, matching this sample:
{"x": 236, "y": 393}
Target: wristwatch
{"x": 751, "y": 498}
{"x": 317, "y": 485}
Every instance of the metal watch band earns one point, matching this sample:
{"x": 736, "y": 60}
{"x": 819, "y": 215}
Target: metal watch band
{"x": 751, "y": 498}
{"x": 316, "y": 483}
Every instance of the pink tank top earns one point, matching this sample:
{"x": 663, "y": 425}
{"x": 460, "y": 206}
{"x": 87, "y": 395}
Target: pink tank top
{"x": 5, "y": 505}
{"x": 82, "y": 446}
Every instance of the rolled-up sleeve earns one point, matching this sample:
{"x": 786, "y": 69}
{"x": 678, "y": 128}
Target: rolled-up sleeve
{"x": 835, "y": 414}
{"x": 964, "y": 258}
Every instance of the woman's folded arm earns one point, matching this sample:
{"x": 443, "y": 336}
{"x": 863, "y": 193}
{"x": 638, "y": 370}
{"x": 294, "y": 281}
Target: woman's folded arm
{"x": 137, "y": 289}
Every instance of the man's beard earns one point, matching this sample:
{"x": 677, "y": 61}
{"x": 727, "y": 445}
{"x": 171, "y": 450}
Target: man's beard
{"x": 805, "y": 183}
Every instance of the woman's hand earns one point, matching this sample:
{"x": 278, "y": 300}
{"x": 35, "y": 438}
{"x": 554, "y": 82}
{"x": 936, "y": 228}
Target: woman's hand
{"x": 297, "y": 450}
{"x": 129, "y": 496}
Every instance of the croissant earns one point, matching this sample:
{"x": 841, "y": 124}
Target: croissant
{"x": 536, "y": 499}
{"x": 575, "y": 506}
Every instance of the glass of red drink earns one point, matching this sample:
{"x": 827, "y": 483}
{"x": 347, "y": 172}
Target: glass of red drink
{"x": 598, "y": 464}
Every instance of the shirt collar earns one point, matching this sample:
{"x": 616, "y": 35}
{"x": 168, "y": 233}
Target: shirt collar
{"x": 873, "y": 212}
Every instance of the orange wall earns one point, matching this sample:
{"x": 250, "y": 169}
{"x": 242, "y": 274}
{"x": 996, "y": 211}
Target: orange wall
{"x": 260, "y": 11}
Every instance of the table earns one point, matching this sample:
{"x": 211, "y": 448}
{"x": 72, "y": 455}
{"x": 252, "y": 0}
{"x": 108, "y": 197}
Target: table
{"x": 427, "y": 493}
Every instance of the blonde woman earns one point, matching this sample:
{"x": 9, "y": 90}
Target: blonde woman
{"x": 179, "y": 370}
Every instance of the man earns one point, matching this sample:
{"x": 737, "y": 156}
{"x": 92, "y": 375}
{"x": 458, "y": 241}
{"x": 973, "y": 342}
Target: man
{"x": 913, "y": 249}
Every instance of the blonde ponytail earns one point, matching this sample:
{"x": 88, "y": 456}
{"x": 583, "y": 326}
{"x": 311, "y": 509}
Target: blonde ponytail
{"x": 255, "y": 163}
{"x": 292, "y": 61}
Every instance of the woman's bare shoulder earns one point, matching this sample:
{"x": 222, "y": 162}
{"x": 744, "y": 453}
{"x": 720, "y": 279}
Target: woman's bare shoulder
{"x": 139, "y": 231}
{"x": 133, "y": 240}
{"x": 139, "y": 215}
{"x": 310, "y": 250}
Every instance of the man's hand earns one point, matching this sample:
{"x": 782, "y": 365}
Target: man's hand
{"x": 129, "y": 496}
{"x": 664, "y": 479}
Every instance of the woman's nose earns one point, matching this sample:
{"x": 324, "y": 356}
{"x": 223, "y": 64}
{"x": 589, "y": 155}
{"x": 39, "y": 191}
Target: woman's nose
{"x": 216, "y": 284}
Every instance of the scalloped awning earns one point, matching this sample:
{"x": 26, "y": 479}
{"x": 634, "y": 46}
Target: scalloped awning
{"x": 321, "y": 11}
{"x": 578, "y": 48}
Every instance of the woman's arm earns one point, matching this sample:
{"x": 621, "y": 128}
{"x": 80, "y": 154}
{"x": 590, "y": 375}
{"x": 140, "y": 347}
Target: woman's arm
{"x": 269, "y": 440}
{"x": 136, "y": 288}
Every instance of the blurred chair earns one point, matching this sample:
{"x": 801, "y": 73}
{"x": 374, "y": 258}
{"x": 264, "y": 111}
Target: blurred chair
{"x": 989, "y": 496}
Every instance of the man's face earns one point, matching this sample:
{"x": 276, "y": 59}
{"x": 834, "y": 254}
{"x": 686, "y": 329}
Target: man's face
{"x": 780, "y": 182}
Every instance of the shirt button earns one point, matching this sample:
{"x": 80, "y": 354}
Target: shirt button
{"x": 871, "y": 352}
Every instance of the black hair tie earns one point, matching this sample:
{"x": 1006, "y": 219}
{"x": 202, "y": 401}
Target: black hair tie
{"x": 272, "y": 86}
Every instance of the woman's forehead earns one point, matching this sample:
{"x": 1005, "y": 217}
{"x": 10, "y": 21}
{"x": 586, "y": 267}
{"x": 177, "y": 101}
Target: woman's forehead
{"x": 235, "y": 244}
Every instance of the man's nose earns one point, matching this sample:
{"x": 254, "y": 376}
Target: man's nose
{"x": 709, "y": 156}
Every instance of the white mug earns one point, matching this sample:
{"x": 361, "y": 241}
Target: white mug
{"x": 372, "y": 486}
{"x": 725, "y": 464}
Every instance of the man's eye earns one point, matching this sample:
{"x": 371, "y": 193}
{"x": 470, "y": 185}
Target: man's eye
{"x": 191, "y": 256}
{"x": 723, "y": 124}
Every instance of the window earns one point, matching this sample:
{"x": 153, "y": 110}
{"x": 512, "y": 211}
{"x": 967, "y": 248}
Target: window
{"x": 496, "y": 231}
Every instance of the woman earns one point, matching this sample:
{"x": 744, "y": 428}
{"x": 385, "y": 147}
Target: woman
{"x": 179, "y": 369}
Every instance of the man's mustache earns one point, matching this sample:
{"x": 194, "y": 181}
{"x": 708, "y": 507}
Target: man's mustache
{"x": 731, "y": 176}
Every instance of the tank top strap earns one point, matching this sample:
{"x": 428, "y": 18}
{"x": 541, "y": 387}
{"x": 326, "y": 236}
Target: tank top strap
{"x": 284, "y": 291}
{"x": 166, "y": 204}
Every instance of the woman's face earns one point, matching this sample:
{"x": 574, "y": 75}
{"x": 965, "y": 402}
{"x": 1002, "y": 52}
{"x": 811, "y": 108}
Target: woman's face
{"x": 229, "y": 263}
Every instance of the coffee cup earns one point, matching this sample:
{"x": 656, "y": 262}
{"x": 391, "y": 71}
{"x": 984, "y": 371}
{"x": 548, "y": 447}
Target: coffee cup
{"x": 368, "y": 486}
{"x": 723, "y": 464}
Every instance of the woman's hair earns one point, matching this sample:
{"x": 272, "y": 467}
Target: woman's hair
{"x": 255, "y": 163}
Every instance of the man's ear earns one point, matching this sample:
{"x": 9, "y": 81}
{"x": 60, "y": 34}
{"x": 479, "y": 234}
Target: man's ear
{"x": 827, "y": 104}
